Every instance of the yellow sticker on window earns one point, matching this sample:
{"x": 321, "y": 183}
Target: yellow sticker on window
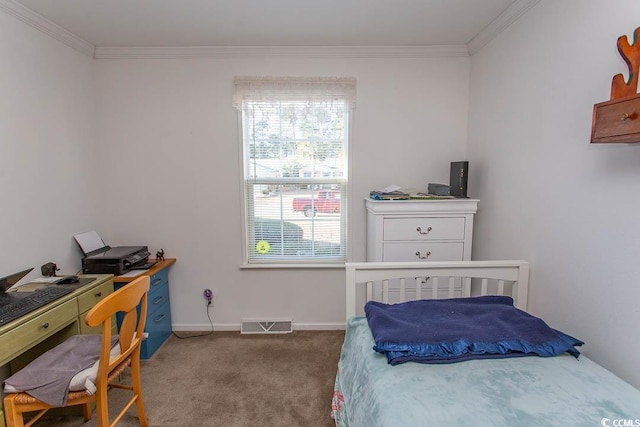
{"x": 263, "y": 247}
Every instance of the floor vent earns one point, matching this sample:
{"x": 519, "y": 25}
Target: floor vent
{"x": 273, "y": 326}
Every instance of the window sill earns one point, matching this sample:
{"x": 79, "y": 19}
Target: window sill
{"x": 337, "y": 265}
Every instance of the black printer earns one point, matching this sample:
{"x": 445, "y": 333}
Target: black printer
{"x": 117, "y": 260}
{"x": 100, "y": 258}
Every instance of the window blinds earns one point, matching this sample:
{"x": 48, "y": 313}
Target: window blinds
{"x": 295, "y": 148}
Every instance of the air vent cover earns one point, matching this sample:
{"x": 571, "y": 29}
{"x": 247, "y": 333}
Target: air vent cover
{"x": 267, "y": 326}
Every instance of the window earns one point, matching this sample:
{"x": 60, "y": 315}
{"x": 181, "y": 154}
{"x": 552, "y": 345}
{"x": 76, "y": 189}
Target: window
{"x": 295, "y": 134}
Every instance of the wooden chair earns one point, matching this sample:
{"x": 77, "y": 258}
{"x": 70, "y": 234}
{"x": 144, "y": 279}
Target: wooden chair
{"x": 125, "y": 299}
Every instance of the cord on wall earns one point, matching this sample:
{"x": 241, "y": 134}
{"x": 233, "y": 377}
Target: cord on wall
{"x": 208, "y": 296}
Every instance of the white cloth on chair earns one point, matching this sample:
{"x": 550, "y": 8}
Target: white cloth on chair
{"x": 47, "y": 378}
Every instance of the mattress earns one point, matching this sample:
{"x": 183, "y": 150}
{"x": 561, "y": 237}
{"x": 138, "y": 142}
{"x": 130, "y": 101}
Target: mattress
{"x": 523, "y": 391}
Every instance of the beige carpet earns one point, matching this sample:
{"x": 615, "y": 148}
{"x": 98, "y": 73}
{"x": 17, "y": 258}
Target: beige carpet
{"x": 228, "y": 379}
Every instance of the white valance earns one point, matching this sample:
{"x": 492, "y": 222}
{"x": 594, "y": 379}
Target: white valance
{"x": 311, "y": 88}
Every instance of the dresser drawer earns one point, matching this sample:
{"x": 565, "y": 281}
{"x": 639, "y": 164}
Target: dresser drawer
{"x": 425, "y": 228}
{"x": 443, "y": 251}
{"x": 90, "y": 298}
{"x": 38, "y": 328}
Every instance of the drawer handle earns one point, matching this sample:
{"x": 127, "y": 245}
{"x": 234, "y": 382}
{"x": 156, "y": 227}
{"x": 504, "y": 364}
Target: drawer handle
{"x": 158, "y": 300}
{"x": 45, "y": 325}
{"x": 98, "y": 294}
{"x": 627, "y": 116}
{"x": 425, "y": 255}
{"x": 159, "y": 318}
{"x": 419, "y": 230}
{"x": 156, "y": 282}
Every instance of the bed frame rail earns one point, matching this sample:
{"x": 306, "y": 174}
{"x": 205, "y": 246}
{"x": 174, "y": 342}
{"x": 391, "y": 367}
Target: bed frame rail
{"x": 467, "y": 278}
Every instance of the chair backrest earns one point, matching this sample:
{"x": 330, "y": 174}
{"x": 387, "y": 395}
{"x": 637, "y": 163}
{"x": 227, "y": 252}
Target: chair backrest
{"x": 125, "y": 300}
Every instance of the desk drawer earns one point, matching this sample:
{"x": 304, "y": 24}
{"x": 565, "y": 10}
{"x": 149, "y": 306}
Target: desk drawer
{"x": 97, "y": 330}
{"x": 90, "y": 298}
{"x": 423, "y": 229}
{"x": 158, "y": 281}
{"x": 37, "y": 329}
{"x": 443, "y": 251}
{"x": 158, "y": 327}
{"x": 159, "y": 297}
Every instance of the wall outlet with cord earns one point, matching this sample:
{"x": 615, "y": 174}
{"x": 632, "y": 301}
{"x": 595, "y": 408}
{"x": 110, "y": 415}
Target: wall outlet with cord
{"x": 208, "y": 295}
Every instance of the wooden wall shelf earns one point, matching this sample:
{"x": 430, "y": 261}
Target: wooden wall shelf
{"x": 618, "y": 120}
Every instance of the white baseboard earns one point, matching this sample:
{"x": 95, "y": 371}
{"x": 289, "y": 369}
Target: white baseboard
{"x": 188, "y": 327}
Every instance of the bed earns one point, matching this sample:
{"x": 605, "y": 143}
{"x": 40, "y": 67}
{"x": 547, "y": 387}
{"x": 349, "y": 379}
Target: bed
{"x": 564, "y": 389}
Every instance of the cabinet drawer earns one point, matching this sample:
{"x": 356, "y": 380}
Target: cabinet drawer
{"x": 90, "y": 298}
{"x": 158, "y": 327}
{"x": 158, "y": 281}
{"x": 38, "y": 328}
{"x": 88, "y": 330}
{"x": 157, "y": 299}
{"x": 443, "y": 251}
{"x": 617, "y": 121}
{"x": 423, "y": 229}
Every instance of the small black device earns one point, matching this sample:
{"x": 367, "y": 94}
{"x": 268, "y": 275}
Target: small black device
{"x": 67, "y": 280}
{"x": 459, "y": 178}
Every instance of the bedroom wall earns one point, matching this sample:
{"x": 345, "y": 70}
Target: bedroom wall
{"x": 170, "y": 150}
{"x": 549, "y": 196}
{"x": 46, "y": 149}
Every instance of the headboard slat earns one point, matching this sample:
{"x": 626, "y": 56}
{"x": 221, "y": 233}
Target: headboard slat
{"x": 511, "y": 276}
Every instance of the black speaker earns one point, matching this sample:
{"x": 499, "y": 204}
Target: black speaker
{"x": 459, "y": 178}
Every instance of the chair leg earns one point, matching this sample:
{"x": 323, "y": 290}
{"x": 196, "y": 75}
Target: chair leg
{"x": 86, "y": 411}
{"x": 136, "y": 383}
{"x": 102, "y": 406}
{"x": 12, "y": 416}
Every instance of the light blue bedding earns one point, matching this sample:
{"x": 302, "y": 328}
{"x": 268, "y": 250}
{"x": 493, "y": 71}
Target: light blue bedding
{"x": 525, "y": 391}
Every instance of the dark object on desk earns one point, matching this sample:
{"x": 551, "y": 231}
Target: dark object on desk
{"x": 438, "y": 189}
{"x": 49, "y": 269}
{"x": 21, "y": 303}
{"x": 160, "y": 255}
{"x": 67, "y": 280}
{"x": 117, "y": 260}
{"x": 146, "y": 265}
{"x": 7, "y": 282}
{"x": 459, "y": 177}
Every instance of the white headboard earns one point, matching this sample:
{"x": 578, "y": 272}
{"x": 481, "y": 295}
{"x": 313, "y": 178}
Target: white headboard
{"x": 445, "y": 279}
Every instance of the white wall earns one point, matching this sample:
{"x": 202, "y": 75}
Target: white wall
{"x": 549, "y": 196}
{"x": 46, "y": 149}
{"x": 168, "y": 140}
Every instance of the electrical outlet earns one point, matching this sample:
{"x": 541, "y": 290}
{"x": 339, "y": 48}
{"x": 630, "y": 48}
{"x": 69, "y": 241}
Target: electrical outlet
{"x": 208, "y": 295}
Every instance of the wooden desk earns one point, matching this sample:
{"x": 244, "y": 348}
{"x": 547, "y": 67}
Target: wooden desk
{"x": 25, "y": 338}
{"x": 158, "y": 322}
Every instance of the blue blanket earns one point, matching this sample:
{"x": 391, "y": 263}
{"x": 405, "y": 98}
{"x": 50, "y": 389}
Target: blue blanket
{"x": 458, "y": 329}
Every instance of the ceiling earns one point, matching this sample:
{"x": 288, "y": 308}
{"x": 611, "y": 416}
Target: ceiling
{"x": 190, "y": 23}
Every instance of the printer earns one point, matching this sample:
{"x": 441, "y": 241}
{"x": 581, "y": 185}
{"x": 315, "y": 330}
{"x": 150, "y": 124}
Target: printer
{"x": 117, "y": 260}
{"x": 103, "y": 259}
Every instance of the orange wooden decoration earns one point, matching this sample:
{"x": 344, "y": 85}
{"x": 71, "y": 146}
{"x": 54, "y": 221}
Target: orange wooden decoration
{"x": 631, "y": 55}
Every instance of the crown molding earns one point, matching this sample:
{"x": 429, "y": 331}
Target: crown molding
{"x": 42, "y": 24}
{"x": 506, "y": 18}
{"x": 29, "y": 17}
{"x": 270, "y": 51}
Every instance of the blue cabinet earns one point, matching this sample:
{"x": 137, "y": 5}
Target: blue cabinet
{"x": 158, "y": 322}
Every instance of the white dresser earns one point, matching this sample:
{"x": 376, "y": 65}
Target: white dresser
{"x": 415, "y": 230}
